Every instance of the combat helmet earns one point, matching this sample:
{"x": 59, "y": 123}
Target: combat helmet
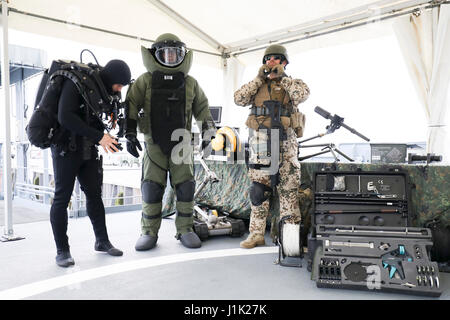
{"x": 276, "y": 49}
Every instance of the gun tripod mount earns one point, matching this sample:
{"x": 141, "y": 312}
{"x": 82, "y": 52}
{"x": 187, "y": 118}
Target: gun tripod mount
{"x": 336, "y": 123}
{"x": 330, "y": 147}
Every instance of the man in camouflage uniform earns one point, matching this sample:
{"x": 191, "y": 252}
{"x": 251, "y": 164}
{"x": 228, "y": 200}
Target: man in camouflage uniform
{"x": 273, "y": 84}
{"x": 162, "y": 102}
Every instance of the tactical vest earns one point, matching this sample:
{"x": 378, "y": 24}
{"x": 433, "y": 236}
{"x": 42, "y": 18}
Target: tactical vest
{"x": 272, "y": 90}
{"x": 168, "y": 101}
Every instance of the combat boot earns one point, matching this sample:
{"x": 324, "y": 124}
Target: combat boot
{"x": 146, "y": 242}
{"x": 253, "y": 240}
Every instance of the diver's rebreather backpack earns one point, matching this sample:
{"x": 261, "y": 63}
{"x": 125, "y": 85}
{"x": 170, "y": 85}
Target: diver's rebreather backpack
{"x": 43, "y": 129}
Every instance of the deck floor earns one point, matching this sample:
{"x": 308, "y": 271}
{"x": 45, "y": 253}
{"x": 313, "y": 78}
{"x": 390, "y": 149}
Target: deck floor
{"x": 219, "y": 270}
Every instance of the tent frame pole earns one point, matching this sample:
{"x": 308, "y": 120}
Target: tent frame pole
{"x": 8, "y": 232}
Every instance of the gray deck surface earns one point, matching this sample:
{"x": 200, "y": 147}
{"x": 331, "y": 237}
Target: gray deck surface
{"x": 218, "y": 270}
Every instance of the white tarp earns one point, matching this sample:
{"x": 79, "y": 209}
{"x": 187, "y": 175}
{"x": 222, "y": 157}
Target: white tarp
{"x": 425, "y": 43}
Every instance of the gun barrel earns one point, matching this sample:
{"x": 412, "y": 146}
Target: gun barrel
{"x": 354, "y": 132}
{"x": 338, "y": 122}
{"x": 323, "y": 112}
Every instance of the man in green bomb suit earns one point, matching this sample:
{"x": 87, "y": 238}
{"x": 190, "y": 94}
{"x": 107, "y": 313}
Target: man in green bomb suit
{"x": 161, "y": 103}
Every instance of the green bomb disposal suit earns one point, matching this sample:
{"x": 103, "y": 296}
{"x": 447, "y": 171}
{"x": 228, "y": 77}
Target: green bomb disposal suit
{"x": 162, "y": 100}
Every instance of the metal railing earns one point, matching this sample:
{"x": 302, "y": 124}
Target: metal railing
{"x": 77, "y": 204}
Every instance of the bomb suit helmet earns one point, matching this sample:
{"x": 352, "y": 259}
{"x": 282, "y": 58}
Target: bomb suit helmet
{"x": 167, "y": 66}
{"x": 169, "y": 50}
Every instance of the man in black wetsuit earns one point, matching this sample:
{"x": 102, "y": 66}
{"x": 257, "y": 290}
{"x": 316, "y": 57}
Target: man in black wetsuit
{"x": 81, "y": 161}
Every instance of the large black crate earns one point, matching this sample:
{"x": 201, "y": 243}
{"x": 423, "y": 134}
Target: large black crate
{"x": 361, "y": 198}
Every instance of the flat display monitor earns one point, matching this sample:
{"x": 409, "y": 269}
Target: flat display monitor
{"x": 216, "y": 113}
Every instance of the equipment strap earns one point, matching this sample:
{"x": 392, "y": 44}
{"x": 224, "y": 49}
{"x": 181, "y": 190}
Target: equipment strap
{"x": 257, "y": 166}
{"x": 74, "y": 77}
{"x": 184, "y": 215}
{"x": 157, "y": 216}
{"x": 263, "y": 111}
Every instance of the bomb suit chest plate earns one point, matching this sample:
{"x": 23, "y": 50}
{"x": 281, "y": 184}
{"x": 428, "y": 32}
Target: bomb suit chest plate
{"x": 168, "y": 101}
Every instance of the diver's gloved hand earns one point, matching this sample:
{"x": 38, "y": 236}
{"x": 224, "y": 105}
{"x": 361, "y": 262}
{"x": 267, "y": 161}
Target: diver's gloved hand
{"x": 263, "y": 71}
{"x": 206, "y": 144}
{"x": 277, "y": 71}
{"x": 133, "y": 144}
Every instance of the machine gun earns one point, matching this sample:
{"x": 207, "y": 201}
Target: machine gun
{"x": 393, "y": 260}
{"x": 336, "y": 123}
{"x": 276, "y": 128}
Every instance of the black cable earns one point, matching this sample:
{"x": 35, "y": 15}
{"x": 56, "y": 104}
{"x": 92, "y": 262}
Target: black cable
{"x": 81, "y": 56}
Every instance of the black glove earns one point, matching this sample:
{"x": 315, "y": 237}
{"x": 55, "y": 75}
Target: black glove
{"x": 206, "y": 144}
{"x": 277, "y": 71}
{"x": 133, "y": 144}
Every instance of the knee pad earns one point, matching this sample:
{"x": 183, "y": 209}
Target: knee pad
{"x": 185, "y": 191}
{"x": 152, "y": 192}
{"x": 259, "y": 193}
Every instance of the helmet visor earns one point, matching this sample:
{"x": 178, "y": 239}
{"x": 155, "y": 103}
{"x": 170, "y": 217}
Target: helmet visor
{"x": 170, "y": 56}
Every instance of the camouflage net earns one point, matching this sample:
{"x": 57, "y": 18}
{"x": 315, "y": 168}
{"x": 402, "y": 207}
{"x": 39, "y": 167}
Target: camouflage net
{"x": 429, "y": 196}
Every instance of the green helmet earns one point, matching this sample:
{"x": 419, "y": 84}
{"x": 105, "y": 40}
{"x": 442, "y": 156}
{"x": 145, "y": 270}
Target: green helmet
{"x": 275, "y": 49}
{"x": 168, "y": 54}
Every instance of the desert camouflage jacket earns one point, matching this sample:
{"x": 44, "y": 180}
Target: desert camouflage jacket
{"x": 297, "y": 90}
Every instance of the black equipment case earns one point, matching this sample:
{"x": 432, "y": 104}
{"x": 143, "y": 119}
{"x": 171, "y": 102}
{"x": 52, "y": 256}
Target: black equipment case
{"x": 361, "y": 236}
{"x": 390, "y": 259}
{"x": 361, "y": 198}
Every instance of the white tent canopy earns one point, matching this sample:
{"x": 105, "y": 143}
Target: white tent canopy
{"x": 216, "y": 27}
{"x": 230, "y": 35}
{"x": 219, "y": 30}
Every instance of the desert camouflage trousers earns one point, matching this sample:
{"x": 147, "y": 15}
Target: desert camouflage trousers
{"x": 287, "y": 187}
